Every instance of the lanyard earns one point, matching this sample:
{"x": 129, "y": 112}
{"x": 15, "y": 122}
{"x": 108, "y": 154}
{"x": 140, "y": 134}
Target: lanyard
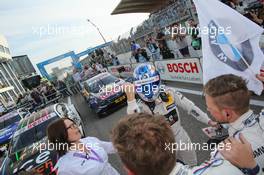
{"x": 214, "y": 163}
{"x": 89, "y": 157}
{"x": 250, "y": 121}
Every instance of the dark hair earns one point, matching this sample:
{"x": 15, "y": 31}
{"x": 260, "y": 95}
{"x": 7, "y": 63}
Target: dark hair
{"x": 140, "y": 140}
{"x": 58, "y": 135}
{"x": 229, "y": 91}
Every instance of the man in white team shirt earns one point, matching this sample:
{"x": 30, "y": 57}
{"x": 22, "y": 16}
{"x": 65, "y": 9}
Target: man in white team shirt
{"x": 141, "y": 139}
{"x": 227, "y": 98}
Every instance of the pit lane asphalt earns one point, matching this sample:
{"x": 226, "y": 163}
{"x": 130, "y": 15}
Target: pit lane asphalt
{"x": 101, "y": 127}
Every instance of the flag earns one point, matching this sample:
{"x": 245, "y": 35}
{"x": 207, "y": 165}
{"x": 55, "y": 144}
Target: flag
{"x": 230, "y": 43}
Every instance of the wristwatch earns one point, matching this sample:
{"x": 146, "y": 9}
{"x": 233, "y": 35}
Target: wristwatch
{"x": 253, "y": 171}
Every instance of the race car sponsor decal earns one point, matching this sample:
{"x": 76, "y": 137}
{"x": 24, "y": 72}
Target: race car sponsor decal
{"x": 35, "y": 123}
{"x": 41, "y": 120}
{"x": 40, "y": 163}
{"x": 147, "y": 80}
{"x": 8, "y": 116}
{"x": 110, "y": 90}
{"x": 98, "y": 78}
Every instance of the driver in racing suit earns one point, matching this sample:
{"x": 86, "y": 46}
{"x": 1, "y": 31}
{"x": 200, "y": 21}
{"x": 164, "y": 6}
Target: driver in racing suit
{"x": 164, "y": 101}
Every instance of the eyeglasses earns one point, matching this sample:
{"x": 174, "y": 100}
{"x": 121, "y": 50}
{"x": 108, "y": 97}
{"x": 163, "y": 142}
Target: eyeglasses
{"x": 72, "y": 126}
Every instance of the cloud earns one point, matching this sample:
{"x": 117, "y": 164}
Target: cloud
{"x": 21, "y": 19}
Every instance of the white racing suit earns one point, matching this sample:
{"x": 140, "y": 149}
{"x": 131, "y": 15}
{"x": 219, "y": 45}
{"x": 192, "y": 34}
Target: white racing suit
{"x": 170, "y": 111}
{"x": 252, "y": 127}
{"x": 212, "y": 167}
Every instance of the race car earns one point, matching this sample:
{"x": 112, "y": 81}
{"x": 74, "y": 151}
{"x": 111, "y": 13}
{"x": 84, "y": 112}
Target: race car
{"x": 8, "y": 125}
{"x": 29, "y": 149}
{"x": 104, "y": 93}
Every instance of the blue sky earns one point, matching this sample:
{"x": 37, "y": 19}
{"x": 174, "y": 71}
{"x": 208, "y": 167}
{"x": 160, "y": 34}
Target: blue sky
{"x": 43, "y": 29}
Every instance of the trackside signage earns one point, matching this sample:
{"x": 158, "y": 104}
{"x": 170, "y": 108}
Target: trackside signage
{"x": 126, "y": 72}
{"x": 183, "y": 70}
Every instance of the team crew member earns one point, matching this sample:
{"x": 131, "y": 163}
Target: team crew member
{"x": 79, "y": 156}
{"x": 164, "y": 101}
{"x": 240, "y": 154}
{"x": 230, "y": 104}
{"x": 140, "y": 136}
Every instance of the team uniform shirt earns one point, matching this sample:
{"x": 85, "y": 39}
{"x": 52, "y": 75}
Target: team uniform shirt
{"x": 252, "y": 127}
{"x": 95, "y": 163}
{"x": 213, "y": 167}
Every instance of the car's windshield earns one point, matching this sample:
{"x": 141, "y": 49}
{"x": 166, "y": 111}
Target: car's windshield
{"x": 96, "y": 85}
{"x": 9, "y": 121}
{"x": 30, "y": 136}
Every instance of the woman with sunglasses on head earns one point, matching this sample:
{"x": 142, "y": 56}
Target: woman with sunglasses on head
{"x": 79, "y": 156}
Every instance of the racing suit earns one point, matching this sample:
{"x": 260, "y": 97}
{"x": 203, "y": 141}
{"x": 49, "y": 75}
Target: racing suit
{"x": 213, "y": 167}
{"x": 170, "y": 111}
{"x": 252, "y": 127}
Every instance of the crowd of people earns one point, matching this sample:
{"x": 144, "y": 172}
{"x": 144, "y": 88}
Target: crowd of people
{"x": 254, "y": 13}
{"x": 47, "y": 92}
{"x": 162, "y": 44}
{"x": 103, "y": 58}
{"x": 141, "y": 137}
{"x": 169, "y": 44}
{"x": 38, "y": 96}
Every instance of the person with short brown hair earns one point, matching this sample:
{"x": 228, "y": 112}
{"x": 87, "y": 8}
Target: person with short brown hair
{"x": 229, "y": 91}
{"x": 141, "y": 141}
{"x": 228, "y": 99}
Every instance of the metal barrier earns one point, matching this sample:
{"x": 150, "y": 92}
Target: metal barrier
{"x": 180, "y": 70}
{"x": 29, "y": 105}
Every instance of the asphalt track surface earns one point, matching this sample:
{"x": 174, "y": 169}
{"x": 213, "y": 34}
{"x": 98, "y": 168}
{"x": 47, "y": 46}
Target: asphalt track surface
{"x": 101, "y": 127}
